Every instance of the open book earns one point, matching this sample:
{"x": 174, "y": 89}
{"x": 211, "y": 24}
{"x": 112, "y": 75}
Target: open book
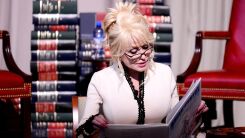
{"x": 180, "y": 121}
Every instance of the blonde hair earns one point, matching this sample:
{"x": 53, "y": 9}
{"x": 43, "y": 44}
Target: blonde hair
{"x": 125, "y": 27}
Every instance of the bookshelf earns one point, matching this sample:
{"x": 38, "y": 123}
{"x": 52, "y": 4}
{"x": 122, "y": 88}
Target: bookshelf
{"x": 54, "y": 43}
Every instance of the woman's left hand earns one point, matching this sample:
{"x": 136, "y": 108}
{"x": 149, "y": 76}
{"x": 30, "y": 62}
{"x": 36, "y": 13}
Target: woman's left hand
{"x": 202, "y": 108}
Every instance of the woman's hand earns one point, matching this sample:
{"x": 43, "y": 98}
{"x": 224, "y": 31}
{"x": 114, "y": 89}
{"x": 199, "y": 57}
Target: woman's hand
{"x": 202, "y": 108}
{"x": 99, "y": 121}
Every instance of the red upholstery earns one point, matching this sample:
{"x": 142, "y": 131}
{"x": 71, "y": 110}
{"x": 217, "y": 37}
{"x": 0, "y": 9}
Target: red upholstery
{"x": 235, "y": 48}
{"x": 231, "y": 78}
{"x": 227, "y": 83}
{"x": 10, "y": 80}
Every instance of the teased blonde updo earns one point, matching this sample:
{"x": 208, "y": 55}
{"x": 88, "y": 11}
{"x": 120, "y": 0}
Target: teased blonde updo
{"x": 125, "y": 27}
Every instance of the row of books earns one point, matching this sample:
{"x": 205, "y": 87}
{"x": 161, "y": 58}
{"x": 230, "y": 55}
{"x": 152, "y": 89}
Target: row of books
{"x": 54, "y": 43}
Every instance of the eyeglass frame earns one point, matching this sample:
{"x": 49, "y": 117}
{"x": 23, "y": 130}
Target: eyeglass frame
{"x": 140, "y": 54}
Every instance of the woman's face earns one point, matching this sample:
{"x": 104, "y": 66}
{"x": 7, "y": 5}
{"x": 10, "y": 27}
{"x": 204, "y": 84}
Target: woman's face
{"x": 138, "y": 58}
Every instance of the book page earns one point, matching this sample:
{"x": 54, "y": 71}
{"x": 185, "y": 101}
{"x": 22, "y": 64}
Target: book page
{"x": 181, "y": 119}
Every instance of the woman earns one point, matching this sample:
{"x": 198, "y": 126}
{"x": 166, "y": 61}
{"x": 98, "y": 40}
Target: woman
{"x": 134, "y": 89}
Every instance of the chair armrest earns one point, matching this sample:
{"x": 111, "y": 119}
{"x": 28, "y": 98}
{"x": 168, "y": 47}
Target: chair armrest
{"x": 198, "y": 50}
{"x": 75, "y": 114}
{"x": 8, "y": 57}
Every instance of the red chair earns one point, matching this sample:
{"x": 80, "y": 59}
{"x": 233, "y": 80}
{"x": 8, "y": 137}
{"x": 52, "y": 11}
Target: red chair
{"x": 14, "y": 84}
{"x": 227, "y": 83}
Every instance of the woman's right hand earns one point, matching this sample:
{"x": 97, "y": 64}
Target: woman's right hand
{"x": 99, "y": 121}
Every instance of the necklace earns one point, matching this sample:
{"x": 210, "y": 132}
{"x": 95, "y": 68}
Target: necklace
{"x": 138, "y": 95}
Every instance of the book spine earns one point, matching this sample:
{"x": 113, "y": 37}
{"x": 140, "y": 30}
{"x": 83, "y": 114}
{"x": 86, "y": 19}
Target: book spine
{"x": 53, "y": 76}
{"x": 163, "y": 37}
{"x": 53, "y": 35}
{"x": 52, "y": 66}
{"x": 61, "y": 7}
{"x": 52, "y": 125}
{"x": 53, "y": 86}
{"x": 150, "y": 2}
{"x": 158, "y": 19}
{"x": 42, "y": 107}
{"x": 164, "y": 47}
{"x": 55, "y": 28}
{"x": 51, "y": 133}
{"x": 47, "y": 117}
{"x": 154, "y": 10}
{"x": 160, "y": 28}
{"x": 162, "y": 57}
{"x": 47, "y": 55}
{"x": 47, "y": 44}
{"x": 55, "y": 19}
{"x": 52, "y": 96}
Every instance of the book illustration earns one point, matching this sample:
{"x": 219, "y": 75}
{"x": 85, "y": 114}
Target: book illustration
{"x": 181, "y": 119}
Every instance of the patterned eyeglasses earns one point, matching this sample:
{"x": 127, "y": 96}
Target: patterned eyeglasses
{"x": 137, "y": 52}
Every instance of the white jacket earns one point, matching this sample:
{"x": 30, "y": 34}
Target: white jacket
{"x": 111, "y": 90}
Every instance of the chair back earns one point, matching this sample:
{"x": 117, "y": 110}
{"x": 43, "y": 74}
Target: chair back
{"x": 235, "y": 48}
